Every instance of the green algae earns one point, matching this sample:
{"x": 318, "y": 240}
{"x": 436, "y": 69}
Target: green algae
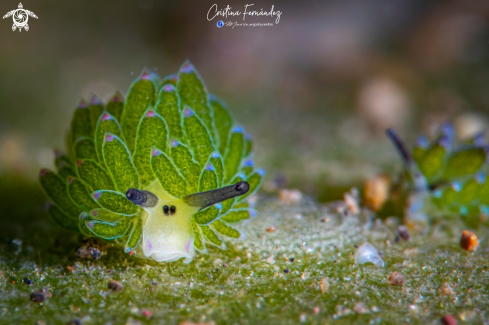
{"x": 246, "y": 284}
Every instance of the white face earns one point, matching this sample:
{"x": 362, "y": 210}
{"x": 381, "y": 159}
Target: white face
{"x": 167, "y": 228}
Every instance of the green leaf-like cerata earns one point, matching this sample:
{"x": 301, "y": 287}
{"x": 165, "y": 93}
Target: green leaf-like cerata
{"x": 168, "y": 105}
{"x": 235, "y": 216}
{"x": 106, "y": 123}
{"x": 218, "y": 164}
{"x": 56, "y": 189}
{"x": 96, "y": 109}
{"x": 199, "y": 240}
{"x": 115, "y": 202}
{"x": 94, "y": 175}
{"x": 234, "y": 153}
{"x": 82, "y": 226}
{"x": 141, "y": 96}
{"x": 109, "y": 230}
{"x": 212, "y": 237}
{"x": 135, "y": 236}
{"x": 119, "y": 163}
{"x": 225, "y": 230}
{"x": 193, "y": 93}
{"x": 255, "y": 180}
{"x": 81, "y": 125}
{"x": 198, "y": 136}
{"x": 85, "y": 148}
{"x": 189, "y": 168}
{"x": 115, "y": 106}
{"x": 105, "y": 215}
{"x": 62, "y": 219}
{"x": 208, "y": 215}
{"x": 65, "y": 170}
{"x": 208, "y": 178}
{"x": 80, "y": 195}
{"x": 447, "y": 178}
{"x": 223, "y": 121}
{"x": 165, "y": 171}
{"x": 247, "y": 166}
{"x": 152, "y": 132}
{"x": 465, "y": 162}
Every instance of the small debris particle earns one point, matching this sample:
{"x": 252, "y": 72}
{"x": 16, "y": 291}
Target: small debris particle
{"x": 315, "y": 310}
{"x": 377, "y": 191}
{"x": 446, "y": 290}
{"x": 224, "y": 265}
{"x": 41, "y": 295}
{"x": 411, "y": 252}
{"x": 305, "y": 275}
{"x": 154, "y": 283}
{"x": 147, "y": 313}
{"x": 291, "y": 259}
{"x": 449, "y": 320}
{"x": 115, "y": 285}
{"x": 324, "y": 219}
{"x": 366, "y": 253}
{"x": 70, "y": 268}
{"x": 17, "y": 242}
{"x": 76, "y": 321}
{"x": 270, "y": 260}
{"x": 360, "y": 308}
{"x": 200, "y": 323}
{"x": 351, "y": 201}
{"x": 271, "y": 229}
{"x": 41, "y": 322}
{"x": 356, "y": 246}
{"x": 381, "y": 254}
{"x": 27, "y": 281}
{"x": 324, "y": 284}
{"x": 88, "y": 252}
{"x": 396, "y": 279}
{"x": 286, "y": 270}
{"x": 469, "y": 241}
{"x": 289, "y": 196}
{"x": 403, "y": 233}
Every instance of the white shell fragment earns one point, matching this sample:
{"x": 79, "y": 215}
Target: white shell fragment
{"x": 366, "y": 253}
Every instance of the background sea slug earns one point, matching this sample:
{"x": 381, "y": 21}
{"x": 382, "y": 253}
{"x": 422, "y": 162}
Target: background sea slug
{"x": 163, "y": 172}
{"x": 446, "y": 178}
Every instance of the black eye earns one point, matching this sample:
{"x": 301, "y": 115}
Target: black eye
{"x": 166, "y": 209}
{"x": 173, "y": 209}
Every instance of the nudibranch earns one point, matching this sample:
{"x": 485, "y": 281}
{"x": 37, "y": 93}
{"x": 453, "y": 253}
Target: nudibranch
{"x": 164, "y": 172}
{"x": 448, "y": 178}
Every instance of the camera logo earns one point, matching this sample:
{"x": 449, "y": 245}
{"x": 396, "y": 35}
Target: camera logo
{"x": 20, "y": 17}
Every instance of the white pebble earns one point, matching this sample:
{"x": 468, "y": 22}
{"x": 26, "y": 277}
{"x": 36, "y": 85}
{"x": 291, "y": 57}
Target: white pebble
{"x": 366, "y": 253}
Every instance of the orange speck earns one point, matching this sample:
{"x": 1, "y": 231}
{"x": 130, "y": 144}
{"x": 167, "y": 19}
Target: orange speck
{"x": 377, "y": 191}
{"x": 271, "y": 229}
{"x": 13, "y": 282}
{"x": 70, "y": 268}
{"x": 469, "y": 241}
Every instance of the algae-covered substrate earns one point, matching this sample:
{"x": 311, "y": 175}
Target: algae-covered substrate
{"x": 301, "y": 270}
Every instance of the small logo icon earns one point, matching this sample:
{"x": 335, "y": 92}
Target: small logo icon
{"x": 20, "y": 17}
{"x": 220, "y": 23}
